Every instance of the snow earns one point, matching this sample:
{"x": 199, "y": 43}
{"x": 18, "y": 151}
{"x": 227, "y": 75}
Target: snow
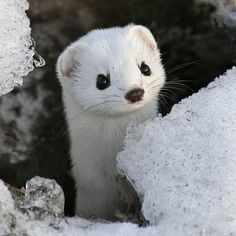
{"x": 6, "y": 208}
{"x": 182, "y": 166}
{"x": 17, "y": 54}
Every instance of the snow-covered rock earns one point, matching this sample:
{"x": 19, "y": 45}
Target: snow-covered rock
{"x": 20, "y": 211}
{"x": 183, "y": 165}
{"x": 43, "y": 198}
{"x": 17, "y": 54}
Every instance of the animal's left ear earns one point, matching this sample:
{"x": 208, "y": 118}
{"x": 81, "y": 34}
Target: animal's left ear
{"x": 144, "y": 34}
{"x": 69, "y": 59}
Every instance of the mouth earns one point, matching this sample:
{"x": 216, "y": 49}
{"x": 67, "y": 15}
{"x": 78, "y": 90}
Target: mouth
{"x": 136, "y": 104}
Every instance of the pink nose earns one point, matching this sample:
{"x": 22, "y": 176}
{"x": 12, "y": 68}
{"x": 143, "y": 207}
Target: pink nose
{"x": 135, "y": 95}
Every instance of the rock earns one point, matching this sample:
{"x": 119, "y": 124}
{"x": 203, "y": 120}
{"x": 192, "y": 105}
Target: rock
{"x": 43, "y": 198}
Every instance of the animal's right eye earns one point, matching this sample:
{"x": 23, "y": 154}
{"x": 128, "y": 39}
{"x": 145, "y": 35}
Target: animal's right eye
{"x": 103, "y": 82}
{"x": 145, "y": 69}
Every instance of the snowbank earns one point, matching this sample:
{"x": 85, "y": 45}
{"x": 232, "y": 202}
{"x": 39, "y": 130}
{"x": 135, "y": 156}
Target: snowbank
{"x": 17, "y": 55}
{"x": 183, "y": 167}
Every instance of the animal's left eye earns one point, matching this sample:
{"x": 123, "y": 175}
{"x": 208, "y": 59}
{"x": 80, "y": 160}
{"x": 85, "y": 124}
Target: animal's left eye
{"x": 145, "y": 69}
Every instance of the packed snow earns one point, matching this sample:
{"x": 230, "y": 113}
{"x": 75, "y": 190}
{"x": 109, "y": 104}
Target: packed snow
{"x": 182, "y": 166}
{"x": 17, "y": 54}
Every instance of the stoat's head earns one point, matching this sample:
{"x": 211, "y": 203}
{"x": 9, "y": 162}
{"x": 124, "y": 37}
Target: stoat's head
{"x": 112, "y": 71}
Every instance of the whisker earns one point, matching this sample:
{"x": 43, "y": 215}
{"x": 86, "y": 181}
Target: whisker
{"x": 172, "y": 98}
{"x": 163, "y": 101}
{"x": 180, "y": 80}
{"x": 155, "y": 81}
{"x": 180, "y": 67}
{"x": 167, "y": 93}
{"x": 72, "y": 118}
{"x": 163, "y": 92}
{"x": 173, "y": 70}
{"x": 175, "y": 86}
{"x": 107, "y": 97}
{"x": 98, "y": 104}
{"x": 153, "y": 87}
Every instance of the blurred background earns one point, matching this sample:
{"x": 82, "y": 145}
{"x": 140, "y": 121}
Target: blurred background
{"x": 197, "y": 42}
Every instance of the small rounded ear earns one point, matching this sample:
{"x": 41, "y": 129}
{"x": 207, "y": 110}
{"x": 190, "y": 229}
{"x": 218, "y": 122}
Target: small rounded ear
{"x": 144, "y": 34}
{"x": 69, "y": 60}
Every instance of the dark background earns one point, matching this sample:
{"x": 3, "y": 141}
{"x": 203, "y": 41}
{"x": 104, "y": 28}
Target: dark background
{"x": 194, "y": 50}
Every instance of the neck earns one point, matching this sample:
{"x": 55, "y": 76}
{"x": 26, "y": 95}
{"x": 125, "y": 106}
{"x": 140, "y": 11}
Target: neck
{"x": 95, "y": 142}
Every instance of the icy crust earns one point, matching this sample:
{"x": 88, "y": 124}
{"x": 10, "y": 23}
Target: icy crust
{"x": 16, "y": 49}
{"x": 183, "y": 165}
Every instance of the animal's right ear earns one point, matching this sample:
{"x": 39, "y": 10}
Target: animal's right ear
{"x": 69, "y": 60}
{"x": 144, "y": 34}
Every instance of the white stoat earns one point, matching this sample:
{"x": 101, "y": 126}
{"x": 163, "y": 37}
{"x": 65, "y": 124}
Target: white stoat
{"x": 109, "y": 78}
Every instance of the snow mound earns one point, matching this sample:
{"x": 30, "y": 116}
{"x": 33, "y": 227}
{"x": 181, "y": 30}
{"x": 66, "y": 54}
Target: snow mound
{"x": 17, "y": 54}
{"x": 183, "y": 165}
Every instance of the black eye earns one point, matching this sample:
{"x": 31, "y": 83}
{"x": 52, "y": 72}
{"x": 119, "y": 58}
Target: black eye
{"x": 145, "y": 69}
{"x": 103, "y": 82}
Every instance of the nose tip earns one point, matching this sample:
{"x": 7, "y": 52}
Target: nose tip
{"x": 135, "y": 95}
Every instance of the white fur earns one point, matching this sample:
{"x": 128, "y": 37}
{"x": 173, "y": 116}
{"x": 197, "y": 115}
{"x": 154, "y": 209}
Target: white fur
{"x": 97, "y": 130}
